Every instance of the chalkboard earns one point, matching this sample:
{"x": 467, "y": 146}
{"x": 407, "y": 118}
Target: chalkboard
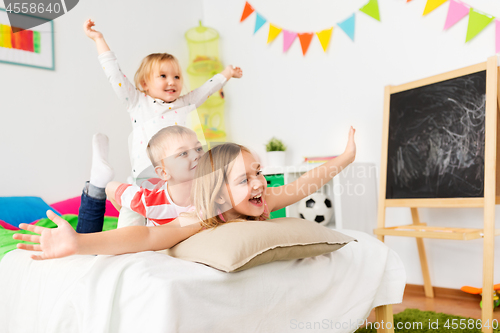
{"x": 436, "y": 140}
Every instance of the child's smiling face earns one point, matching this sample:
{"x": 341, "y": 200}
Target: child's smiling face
{"x": 165, "y": 82}
{"x": 245, "y": 188}
{"x": 182, "y": 159}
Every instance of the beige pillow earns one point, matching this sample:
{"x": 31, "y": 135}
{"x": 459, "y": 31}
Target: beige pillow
{"x": 237, "y": 246}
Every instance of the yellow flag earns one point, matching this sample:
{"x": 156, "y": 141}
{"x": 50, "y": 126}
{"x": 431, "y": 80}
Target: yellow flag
{"x": 274, "y": 31}
{"x": 431, "y": 5}
{"x": 324, "y": 37}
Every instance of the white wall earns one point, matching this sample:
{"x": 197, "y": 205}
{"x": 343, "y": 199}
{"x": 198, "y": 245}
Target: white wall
{"x": 49, "y": 117}
{"x": 309, "y": 102}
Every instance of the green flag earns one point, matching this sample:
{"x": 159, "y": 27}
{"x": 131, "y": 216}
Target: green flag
{"x": 371, "y": 9}
{"x": 477, "y": 22}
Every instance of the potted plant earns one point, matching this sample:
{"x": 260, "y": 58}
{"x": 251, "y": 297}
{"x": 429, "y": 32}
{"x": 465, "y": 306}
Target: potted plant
{"x": 275, "y": 152}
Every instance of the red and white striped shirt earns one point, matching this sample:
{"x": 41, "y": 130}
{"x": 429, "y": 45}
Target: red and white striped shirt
{"x": 151, "y": 200}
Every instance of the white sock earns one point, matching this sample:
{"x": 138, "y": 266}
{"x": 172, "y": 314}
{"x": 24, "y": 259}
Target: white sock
{"x": 101, "y": 173}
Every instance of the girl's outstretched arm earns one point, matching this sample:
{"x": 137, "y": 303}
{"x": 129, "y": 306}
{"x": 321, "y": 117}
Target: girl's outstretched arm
{"x": 64, "y": 241}
{"x": 96, "y": 36}
{"x": 311, "y": 181}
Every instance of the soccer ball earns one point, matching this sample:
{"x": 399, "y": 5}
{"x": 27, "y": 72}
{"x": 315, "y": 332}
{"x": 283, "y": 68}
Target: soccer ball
{"x": 316, "y": 207}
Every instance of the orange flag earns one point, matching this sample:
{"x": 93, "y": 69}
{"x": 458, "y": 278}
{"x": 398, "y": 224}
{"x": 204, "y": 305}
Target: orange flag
{"x": 305, "y": 40}
{"x": 246, "y": 11}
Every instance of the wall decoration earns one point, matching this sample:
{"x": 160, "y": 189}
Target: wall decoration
{"x": 33, "y": 48}
{"x": 457, "y": 10}
{"x": 347, "y": 25}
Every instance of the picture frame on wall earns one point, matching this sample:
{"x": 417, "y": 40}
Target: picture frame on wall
{"x": 31, "y": 47}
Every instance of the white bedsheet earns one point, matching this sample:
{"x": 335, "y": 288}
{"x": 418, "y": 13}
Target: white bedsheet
{"x": 151, "y": 292}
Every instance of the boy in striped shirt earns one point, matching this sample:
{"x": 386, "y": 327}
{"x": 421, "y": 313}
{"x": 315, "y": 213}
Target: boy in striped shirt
{"x": 174, "y": 152}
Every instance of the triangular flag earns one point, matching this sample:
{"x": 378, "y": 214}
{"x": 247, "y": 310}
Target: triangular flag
{"x": 288, "y": 38}
{"x": 324, "y": 37}
{"x": 246, "y": 11}
{"x": 371, "y": 9}
{"x": 431, "y": 5}
{"x": 477, "y": 22}
{"x": 456, "y": 12}
{"x": 259, "y": 22}
{"x": 348, "y": 26}
{"x": 497, "y": 22}
{"x": 274, "y": 31}
{"x": 305, "y": 41}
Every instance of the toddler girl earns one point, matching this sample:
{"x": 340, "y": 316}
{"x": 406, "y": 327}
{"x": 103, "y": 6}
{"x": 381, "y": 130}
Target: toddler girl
{"x": 228, "y": 187}
{"x": 155, "y": 96}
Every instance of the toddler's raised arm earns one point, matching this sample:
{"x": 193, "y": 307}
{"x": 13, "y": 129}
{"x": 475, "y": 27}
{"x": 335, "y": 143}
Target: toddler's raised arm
{"x": 311, "y": 181}
{"x": 96, "y": 36}
{"x": 121, "y": 85}
{"x": 63, "y": 241}
{"x": 201, "y": 94}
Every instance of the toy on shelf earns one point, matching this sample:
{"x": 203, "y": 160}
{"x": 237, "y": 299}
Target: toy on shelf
{"x": 204, "y": 63}
{"x": 479, "y": 291}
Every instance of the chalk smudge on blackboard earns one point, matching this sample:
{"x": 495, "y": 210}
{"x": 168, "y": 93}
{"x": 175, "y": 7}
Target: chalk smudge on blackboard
{"x": 436, "y": 140}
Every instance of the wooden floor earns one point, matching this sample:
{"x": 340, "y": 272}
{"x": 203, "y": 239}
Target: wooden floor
{"x": 449, "y": 301}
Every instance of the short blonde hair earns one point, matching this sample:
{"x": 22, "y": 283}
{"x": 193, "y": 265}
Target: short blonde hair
{"x": 159, "y": 143}
{"x": 210, "y": 178}
{"x": 151, "y": 63}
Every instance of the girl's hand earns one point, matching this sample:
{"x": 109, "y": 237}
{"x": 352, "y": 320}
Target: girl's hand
{"x": 54, "y": 243}
{"x": 91, "y": 33}
{"x": 350, "y": 149}
{"x": 231, "y": 71}
{"x": 236, "y": 72}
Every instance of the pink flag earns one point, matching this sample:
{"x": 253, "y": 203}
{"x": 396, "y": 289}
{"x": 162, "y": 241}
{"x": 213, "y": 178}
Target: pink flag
{"x": 497, "y": 22}
{"x": 288, "y": 38}
{"x": 456, "y": 12}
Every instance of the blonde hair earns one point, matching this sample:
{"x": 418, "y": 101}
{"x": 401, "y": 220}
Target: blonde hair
{"x": 211, "y": 175}
{"x": 159, "y": 143}
{"x": 151, "y": 63}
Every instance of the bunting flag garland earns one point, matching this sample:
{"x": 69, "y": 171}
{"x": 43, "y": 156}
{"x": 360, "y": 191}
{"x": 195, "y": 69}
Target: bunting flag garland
{"x": 497, "y": 37}
{"x": 371, "y": 9}
{"x": 432, "y": 4}
{"x": 477, "y": 22}
{"x": 288, "y": 38}
{"x": 246, "y": 11}
{"x": 305, "y": 41}
{"x": 274, "y": 31}
{"x": 348, "y": 26}
{"x": 324, "y": 36}
{"x": 456, "y": 12}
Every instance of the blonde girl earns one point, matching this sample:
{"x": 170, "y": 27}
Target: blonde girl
{"x": 229, "y": 186}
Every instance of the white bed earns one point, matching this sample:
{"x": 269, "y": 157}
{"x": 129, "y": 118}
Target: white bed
{"x": 151, "y": 292}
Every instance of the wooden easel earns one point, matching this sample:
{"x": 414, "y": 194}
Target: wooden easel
{"x": 491, "y": 197}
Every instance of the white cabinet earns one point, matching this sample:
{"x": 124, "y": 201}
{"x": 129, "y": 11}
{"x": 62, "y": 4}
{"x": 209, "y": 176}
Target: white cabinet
{"x": 353, "y": 192}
